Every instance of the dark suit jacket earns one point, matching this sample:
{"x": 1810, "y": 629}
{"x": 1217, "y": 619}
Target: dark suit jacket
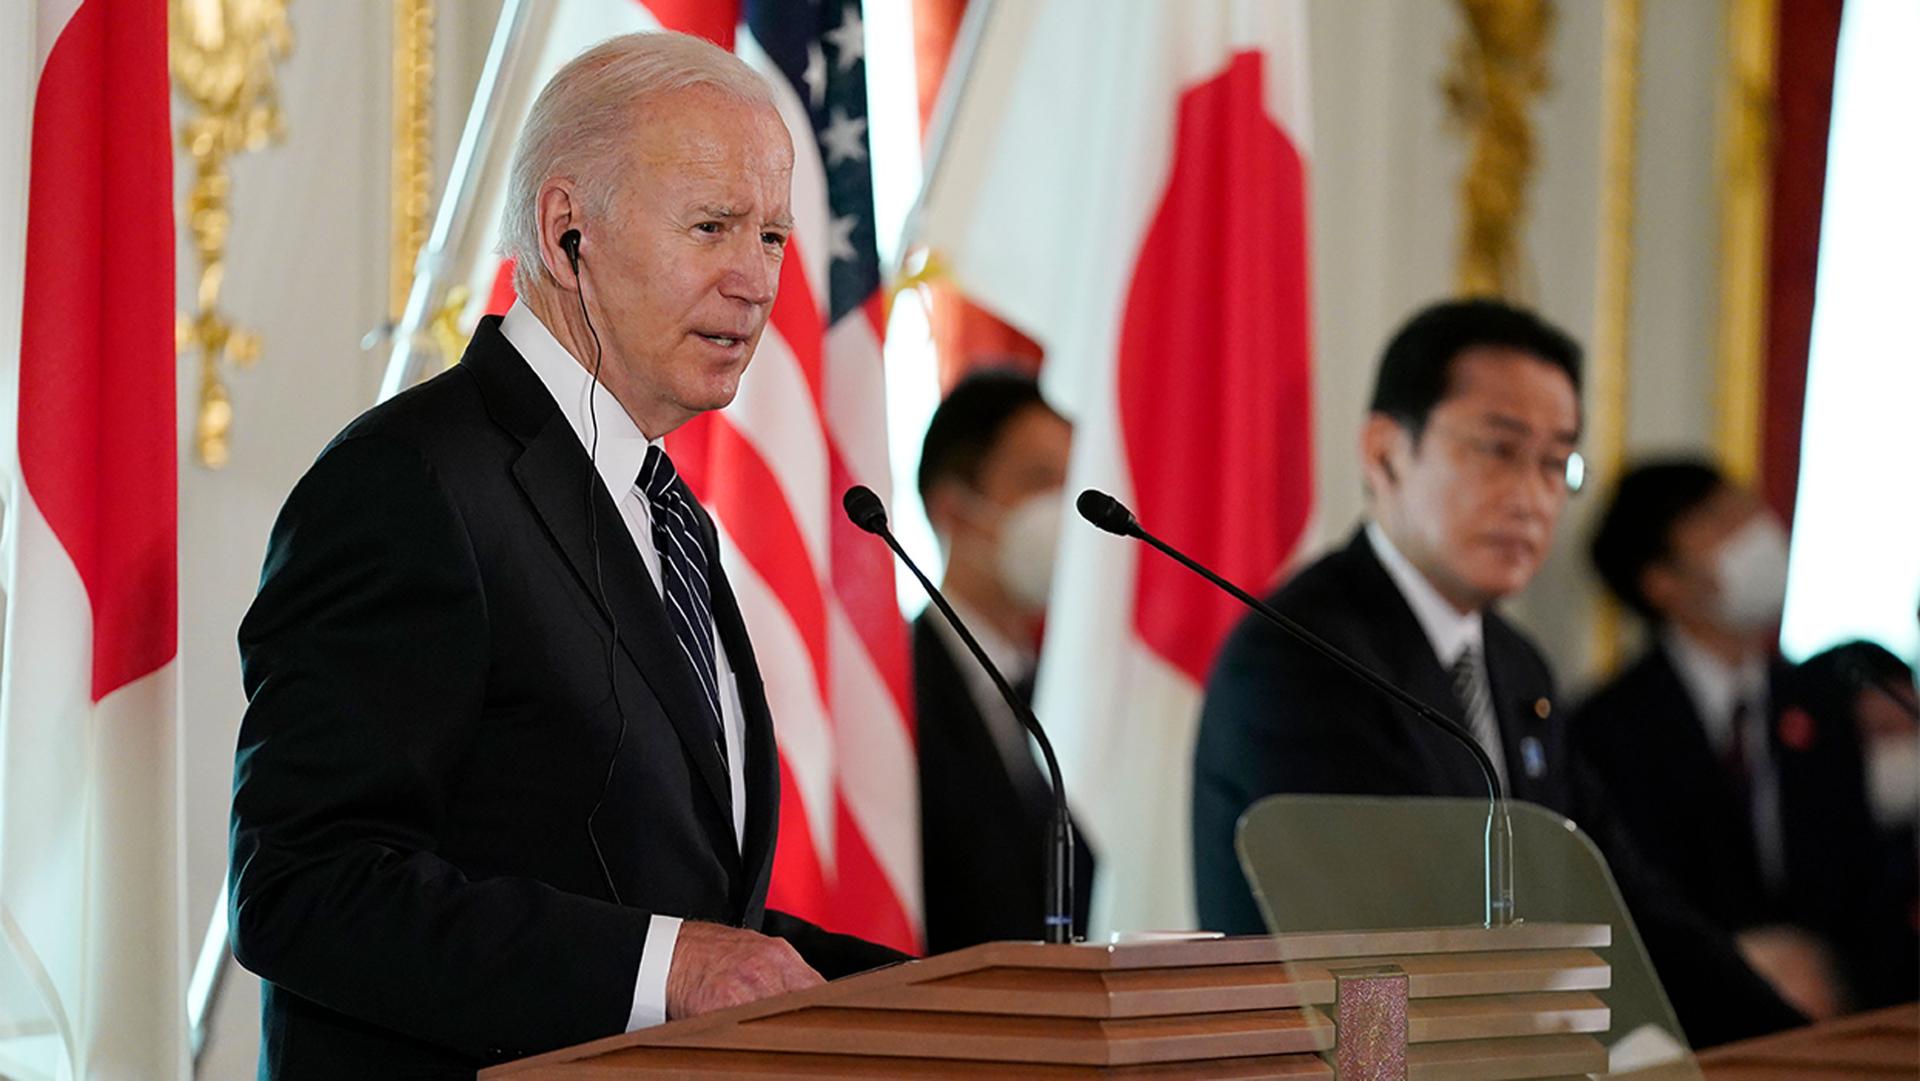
{"x": 985, "y": 836}
{"x": 434, "y": 708}
{"x": 1650, "y": 750}
{"x": 1280, "y": 718}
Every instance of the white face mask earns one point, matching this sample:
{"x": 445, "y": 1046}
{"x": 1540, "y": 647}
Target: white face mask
{"x": 1029, "y": 537}
{"x": 1893, "y": 780}
{"x": 1751, "y": 571}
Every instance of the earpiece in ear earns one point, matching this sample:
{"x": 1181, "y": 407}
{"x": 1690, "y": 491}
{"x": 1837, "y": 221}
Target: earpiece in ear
{"x": 570, "y": 243}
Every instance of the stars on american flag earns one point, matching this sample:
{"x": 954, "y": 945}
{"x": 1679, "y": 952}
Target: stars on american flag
{"x": 815, "y": 75}
{"x": 840, "y": 237}
{"x": 819, "y": 46}
{"x": 848, "y": 39}
{"x": 844, "y": 138}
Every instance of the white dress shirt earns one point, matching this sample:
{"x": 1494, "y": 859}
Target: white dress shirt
{"x": 1018, "y": 753}
{"x": 622, "y": 450}
{"x": 1449, "y": 631}
{"x": 1717, "y": 689}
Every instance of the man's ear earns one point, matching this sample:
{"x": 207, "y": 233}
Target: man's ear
{"x": 943, "y": 510}
{"x": 1381, "y": 438}
{"x": 1662, "y": 587}
{"x": 555, "y": 215}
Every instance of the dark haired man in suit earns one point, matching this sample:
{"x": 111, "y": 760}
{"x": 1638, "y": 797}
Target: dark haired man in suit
{"x": 507, "y": 780}
{"x": 1739, "y": 776}
{"x": 1469, "y": 458}
{"x": 991, "y": 469}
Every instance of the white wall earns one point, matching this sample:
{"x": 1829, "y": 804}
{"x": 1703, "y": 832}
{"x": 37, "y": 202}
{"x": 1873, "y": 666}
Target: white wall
{"x": 308, "y": 270}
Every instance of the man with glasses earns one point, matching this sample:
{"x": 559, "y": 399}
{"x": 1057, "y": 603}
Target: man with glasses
{"x": 1468, "y": 455}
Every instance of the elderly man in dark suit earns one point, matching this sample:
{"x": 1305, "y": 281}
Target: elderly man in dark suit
{"x": 507, "y": 779}
{"x": 1468, "y": 455}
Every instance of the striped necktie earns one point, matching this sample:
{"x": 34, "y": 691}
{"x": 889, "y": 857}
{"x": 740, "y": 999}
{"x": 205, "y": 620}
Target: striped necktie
{"x": 1476, "y": 707}
{"x": 683, "y": 577}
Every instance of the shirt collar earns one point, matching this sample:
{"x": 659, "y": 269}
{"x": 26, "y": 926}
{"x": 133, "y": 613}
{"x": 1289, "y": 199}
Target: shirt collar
{"x": 1014, "y": 661}
{"x": 1448, "y": 630}
{"x": 1714, "y": 685}
{"x": 623, "y": 447}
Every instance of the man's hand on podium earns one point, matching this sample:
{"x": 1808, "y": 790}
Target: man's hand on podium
{"x": 1798, "y": 966}
{"x": 715, "y": 966}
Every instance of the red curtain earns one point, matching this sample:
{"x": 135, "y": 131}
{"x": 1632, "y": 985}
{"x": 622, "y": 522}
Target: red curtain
{"x": 1808, "y": 37}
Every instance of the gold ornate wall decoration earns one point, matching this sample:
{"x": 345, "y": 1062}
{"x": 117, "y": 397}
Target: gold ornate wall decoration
{"x": 448, "y": 327}
{"x": 1746, "y": 192}
{"x": 1499, "y": 69}
{"x": 222, "y": 54}
{"x": 412, "y": 157}
{"x": 1607, "y": 382}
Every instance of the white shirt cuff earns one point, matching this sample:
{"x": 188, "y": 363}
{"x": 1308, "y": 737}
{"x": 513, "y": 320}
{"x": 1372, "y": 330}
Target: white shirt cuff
{"x": 650, "y": 985}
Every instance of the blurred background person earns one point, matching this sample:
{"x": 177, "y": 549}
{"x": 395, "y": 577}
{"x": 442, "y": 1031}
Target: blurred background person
{"x": 1863, "y": 685}
{"x": 992, "y": 467}
{"x": 1749, "y": 799}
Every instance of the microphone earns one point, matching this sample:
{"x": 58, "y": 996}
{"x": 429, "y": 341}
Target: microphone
{"x": 865, "y": 510}
{"x": 1107, "y": 512}
{"x": 1111, "y": 515}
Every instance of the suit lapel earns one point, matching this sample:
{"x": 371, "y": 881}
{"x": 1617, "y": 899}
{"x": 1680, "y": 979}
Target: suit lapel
{"x": 1407, "y": 658}
{"x": 1520, "y": 710}
{"x": 552, "y": 470}
{"x": 762, "y": 756}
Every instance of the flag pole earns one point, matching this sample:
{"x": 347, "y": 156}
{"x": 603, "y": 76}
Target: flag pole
{"x": 953, "y": 89}
{"x": 503, "y": 82}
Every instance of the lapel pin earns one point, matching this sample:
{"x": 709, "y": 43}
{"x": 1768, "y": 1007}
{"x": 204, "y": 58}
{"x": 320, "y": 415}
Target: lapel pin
{"x": 1533, "y": 756}
{"x": 1542, "y": 708}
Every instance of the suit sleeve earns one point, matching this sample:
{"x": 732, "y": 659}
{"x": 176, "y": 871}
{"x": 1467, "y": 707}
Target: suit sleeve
{"x": 831, "y": 955}
{"x": 365, "y": 658}
{"x": 1715, "y": 994}
{"x": 1277, "y": 719}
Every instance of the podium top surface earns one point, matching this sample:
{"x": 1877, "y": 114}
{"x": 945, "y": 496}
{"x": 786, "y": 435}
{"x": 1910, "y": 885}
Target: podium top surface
{"x": 1274, "y": 949}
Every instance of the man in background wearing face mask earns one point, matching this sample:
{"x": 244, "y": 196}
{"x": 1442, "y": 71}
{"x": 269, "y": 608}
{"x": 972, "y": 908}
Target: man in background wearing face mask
{"x": 991, "y": 471}
{"x": 1728, "y": 779}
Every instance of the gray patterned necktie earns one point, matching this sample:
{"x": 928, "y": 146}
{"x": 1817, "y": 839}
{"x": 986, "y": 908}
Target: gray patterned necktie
{"x": 1476, "y": 707}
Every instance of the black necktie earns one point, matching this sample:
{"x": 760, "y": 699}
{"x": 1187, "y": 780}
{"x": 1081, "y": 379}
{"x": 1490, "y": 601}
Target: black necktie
{"x": 683, "y": 577}
{"x": 1736, "y": 761}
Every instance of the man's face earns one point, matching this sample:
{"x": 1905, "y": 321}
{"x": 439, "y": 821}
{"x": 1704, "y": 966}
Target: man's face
{"x": 682, "y": 272}
{"x": 1474, "y": 501}
{"x": 1003, "y": 528}
{"x": 1691, "y": 586}
{"x": 1029, "y": 459}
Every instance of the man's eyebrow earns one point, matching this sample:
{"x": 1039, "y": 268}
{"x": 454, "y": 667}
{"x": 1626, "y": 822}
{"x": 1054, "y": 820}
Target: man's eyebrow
{"x": 729, "y": 213}
{"x": 1517, "y": 426}
{"x": 1506, "y": 423}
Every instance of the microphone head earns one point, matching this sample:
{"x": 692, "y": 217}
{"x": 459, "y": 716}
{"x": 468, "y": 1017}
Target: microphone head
{"x": 864, "y": 509}
{"x": 1106, "y": 512}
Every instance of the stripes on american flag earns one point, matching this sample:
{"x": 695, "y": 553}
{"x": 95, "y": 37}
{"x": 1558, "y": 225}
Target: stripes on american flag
{"x": 810, "y": 420}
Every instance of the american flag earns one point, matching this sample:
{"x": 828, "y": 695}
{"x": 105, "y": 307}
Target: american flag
{"x": 810, "y": 420}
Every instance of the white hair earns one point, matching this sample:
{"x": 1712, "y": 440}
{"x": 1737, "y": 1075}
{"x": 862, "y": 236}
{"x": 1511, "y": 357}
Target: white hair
{"x": 585, "y": 118}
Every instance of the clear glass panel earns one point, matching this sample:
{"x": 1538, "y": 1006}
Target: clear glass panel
{"x": 1325, "y": 863}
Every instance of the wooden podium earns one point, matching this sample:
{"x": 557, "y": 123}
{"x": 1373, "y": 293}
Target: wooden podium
{"x": 1431, "y": 1005}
